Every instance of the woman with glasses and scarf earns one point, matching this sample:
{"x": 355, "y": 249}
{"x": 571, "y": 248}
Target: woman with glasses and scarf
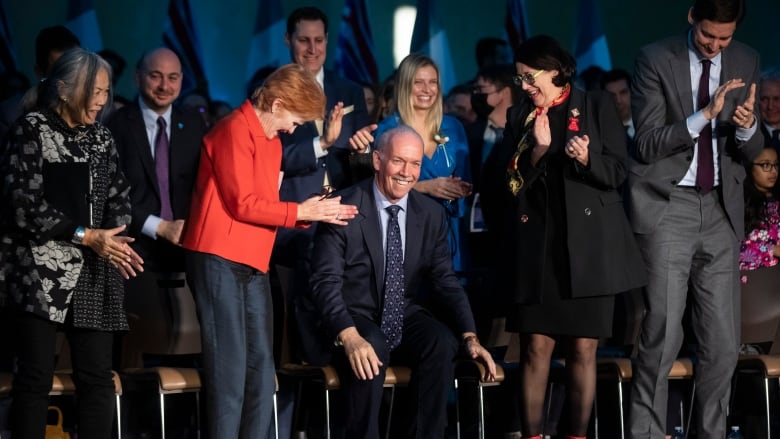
{"x": 550, "y": 191}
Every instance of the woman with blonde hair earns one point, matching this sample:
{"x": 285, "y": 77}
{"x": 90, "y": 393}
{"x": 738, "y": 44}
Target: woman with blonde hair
{"x": 233, "y": 221}
{"x": 445, "y": 174}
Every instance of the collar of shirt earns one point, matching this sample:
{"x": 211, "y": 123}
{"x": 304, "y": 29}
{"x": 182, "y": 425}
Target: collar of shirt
{"x": 150, "y": 122}
{"x": 381, "y": 204}
{"x": 320, "y": 77}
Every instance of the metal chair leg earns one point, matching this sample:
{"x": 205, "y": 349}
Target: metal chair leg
{"x": 276, "y": 418}
{"x": 390, "y": 412}
{"x": 197, "y": 413}
{"x": 481, "y": 411}
{"x": 622, "y": 413}
{"x": 162, "y": 415}
{"x": 457, "y": 409}
{"x": 118, "y": 417}
{"x": 327, "y": 414}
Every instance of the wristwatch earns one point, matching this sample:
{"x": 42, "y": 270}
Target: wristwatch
{"x": 78, "y": 235}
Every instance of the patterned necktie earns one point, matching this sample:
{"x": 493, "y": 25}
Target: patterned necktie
{"x": 394, "y": 304}
{"x": 161, "y": 152}
{"x": 705, "y": 167}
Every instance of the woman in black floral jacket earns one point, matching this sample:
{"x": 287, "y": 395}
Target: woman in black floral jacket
{"x": 62, "y": 259}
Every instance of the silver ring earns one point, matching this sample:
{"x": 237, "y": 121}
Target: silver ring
{"x": 110, "y": 257}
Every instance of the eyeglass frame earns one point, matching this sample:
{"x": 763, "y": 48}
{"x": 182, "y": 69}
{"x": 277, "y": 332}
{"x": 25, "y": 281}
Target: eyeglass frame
{"x": 767, "y": 166}
{"x": 527, "y": 77}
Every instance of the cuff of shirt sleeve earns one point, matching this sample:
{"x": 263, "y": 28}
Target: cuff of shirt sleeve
{"x": 318, "y": 151}
{"x": 744, "y": 134}
{"x": 151, "y": 225}
{"x": 696, "y": 122}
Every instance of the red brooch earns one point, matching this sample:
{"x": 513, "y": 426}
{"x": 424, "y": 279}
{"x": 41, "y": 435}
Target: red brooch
{"x": 574, "y": 124}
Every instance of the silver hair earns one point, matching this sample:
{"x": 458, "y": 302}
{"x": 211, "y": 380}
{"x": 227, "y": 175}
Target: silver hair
{"x": 386, "y": 139}
{"x": 72, "y": 78}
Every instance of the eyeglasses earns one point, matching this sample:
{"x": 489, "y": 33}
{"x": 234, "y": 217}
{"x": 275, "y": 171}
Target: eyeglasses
{"x": 767, "y": 166}
{"x": 528, "y": 78}
{"x": 326, "y": 191}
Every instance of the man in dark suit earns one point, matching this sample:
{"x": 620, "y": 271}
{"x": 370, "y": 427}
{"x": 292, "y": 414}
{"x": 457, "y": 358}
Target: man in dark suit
{"x": 769, "y": 108}
{"x": 686, "y": 206}
{"x": 140, "y": 130}
{"x": 372, "y": 282}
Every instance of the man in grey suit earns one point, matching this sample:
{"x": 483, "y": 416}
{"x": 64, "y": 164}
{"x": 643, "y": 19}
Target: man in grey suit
{"x": 686, "y": 206}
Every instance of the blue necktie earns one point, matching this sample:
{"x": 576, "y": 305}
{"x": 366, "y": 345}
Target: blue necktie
{"x": 161, "y": 167}
{"x": 393, "y": 308}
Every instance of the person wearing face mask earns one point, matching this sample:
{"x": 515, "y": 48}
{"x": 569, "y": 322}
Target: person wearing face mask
{"x": 550, "y": 191}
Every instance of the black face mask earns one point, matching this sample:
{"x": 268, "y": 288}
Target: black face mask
{"x": 480, "y": 105}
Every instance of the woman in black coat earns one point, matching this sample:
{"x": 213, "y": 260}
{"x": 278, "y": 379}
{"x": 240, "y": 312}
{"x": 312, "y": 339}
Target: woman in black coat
{"x": 551, "y": 191}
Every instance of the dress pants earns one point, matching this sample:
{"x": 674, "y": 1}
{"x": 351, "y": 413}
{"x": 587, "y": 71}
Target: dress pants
{"x": 692, "y": 246}
{"x": 91, "y": 360}
{"x": 234, "y": 307}
{"x": 428, "y": 347}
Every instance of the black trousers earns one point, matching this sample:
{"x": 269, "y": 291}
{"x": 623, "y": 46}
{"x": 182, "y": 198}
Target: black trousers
{"x": 91, "y": 357}
{"x": 428, "y": 347}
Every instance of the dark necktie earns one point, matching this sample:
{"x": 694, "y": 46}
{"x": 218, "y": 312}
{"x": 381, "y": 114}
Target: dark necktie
{"x": 705, "y": 167}
{"x": 161, "y": 152}
{"x": 774, "y": 142}
{"x": 393, "y": 308}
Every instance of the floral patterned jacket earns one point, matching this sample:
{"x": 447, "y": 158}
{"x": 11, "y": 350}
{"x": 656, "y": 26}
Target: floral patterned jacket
{"x": 757, "y": 248}
{"x": 40, "y": 269}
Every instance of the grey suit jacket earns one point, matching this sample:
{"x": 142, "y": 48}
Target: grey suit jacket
{"x": 661, "y": 100}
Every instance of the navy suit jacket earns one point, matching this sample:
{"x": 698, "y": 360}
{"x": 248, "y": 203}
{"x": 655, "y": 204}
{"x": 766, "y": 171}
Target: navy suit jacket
{"x": 348, "y": 266}
{"x": 135, "y": 157}
{"x": 304, "y": 173}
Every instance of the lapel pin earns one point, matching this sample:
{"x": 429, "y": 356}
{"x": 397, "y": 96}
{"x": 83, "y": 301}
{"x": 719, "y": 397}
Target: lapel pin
{"x": 575, "y": 112}
{"x": 181, "y": 125}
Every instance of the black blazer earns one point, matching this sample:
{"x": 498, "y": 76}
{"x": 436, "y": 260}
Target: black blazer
{"x": 135, "y": 157}
{"x": 603, "y": 256}
{"x": 348, "y": 266}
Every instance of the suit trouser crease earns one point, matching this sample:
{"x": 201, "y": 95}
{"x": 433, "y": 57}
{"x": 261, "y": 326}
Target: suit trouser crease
{"x": 694, "y": 243}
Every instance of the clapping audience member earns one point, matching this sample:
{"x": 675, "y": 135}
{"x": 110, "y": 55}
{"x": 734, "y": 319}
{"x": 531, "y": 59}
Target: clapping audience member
{"x": 550, "y": 192}
{"x": 695, "y": 126}
{"x": 234, "y": 216}
{"x": 445, "y": 174}
{"x": 65, "y": 206}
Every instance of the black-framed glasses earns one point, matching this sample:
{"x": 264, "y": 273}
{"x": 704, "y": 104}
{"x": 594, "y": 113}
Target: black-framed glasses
{"x": 767, "y": 166}
{"x": 528, "y": 78}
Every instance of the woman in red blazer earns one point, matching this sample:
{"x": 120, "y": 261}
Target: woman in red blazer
{"x": 230, "y": 232}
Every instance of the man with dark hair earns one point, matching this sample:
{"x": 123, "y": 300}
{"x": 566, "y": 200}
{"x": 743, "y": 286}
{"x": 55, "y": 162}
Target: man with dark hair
{"x": 693, "y": 101}
{"x": 491, "y": 51}
{"x": 617, "y": 82}
{"x": 50, "y": 43}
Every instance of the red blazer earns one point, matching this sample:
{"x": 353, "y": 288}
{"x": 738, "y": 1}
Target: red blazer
{"x": 235, "y": 206}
